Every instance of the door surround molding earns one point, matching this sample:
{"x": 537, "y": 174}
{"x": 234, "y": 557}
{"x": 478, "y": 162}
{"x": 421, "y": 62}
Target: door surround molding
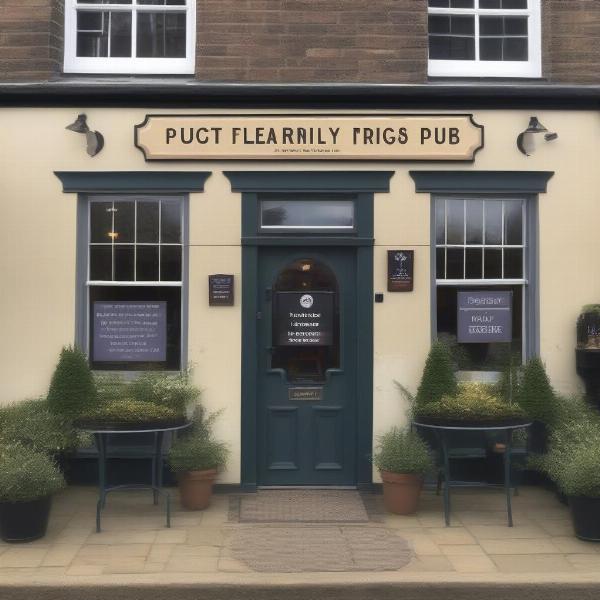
{"x": 363, "y": 184}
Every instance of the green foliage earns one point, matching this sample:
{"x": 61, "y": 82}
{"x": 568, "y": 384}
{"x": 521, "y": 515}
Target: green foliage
{"x": 591, "y": 309}
{"x": 127, "y": 411}
{"x": 196, "y": 449}
{"x": 171, "y": 390}
{"x": 26, "y": 474}
{"x": 32, "y": 424}
{"x": 400, "y": 451}
{"x": 536, "y": 396}
{"x": 510, "y": 381}
{"x": 474, "y": 402}
{"x": 72, "y": 390}
{"x": 438, "y": 376}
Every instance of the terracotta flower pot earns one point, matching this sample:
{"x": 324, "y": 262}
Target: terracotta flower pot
{"x": 401, "y": 492}
{"x": 195, "y": 488}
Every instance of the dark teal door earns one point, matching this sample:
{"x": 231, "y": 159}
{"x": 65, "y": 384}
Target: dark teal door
{"x": 307, "y": 366}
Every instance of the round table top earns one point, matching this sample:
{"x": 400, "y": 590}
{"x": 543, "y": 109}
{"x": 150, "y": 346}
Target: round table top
{"x": 151, "y": 430}
{"x": 474, "y": 427}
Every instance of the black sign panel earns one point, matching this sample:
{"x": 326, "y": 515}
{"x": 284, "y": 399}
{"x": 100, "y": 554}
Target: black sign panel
{"x": 303, "y": 318}
{"x": 400, "y": 270}
{"x": 220, "y": 290}
{"x": 484, "y": 317}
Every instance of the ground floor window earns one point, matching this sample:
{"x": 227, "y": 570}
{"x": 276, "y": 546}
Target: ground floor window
{"x": 135, "y": 277}
{"x": 481, "y": 246}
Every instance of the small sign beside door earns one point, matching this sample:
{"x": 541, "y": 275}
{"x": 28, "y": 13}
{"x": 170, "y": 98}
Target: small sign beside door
{"x": 400, "y": 270}
{"x": 220, "y": 290}
{"x": 484, "y": 317}
{"x": 312, "y": 394}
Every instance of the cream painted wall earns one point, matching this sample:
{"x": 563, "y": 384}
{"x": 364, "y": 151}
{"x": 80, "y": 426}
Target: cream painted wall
{"x": 37, "y": 250}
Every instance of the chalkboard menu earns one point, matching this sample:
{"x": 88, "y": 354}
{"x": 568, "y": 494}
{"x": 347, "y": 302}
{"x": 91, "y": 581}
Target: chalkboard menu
{"x": 400, "y": 270}
{"x": 220, "y": 290}
{"x": 303, "y": 318}
{"x": 484, "y": 317}
{"x": 129, "y": 331}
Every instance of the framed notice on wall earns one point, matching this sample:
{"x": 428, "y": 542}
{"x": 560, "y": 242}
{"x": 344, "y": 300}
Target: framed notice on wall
{"x": 220, "y": 290}
{"x": 400, "y": 268}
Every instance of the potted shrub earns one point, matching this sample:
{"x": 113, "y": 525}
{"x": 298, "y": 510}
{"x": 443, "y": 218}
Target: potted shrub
{"x": 474, "y": 405}
{"x": 196, "y": 457}
{"x": 587, "y": 353}
{"x": 438, "y": 377}
{"x": 537, "y": 398}
{"x": 402, "y": 458}
{"x": 27, "y": 481}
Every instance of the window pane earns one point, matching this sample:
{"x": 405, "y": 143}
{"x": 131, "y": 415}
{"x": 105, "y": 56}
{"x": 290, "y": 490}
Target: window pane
{"x": 103, "y": 1}
{"x": 455, "y": 221}
{"x": 490, "y": 48}
{"x": 124, "y": 222}
{"x": 170, "y": 263}
{"x": 162, "y": 2}
{"x": 440, "y": 221}
{"x": 439, "y": 3}
{"x": 462, "y": 3}
{"x": 439, "y": 24}
{"x": 463, "y": 25}
{"x": 513, "y": 223}
{"x": 455, "y": 263}
{"x": 489, "y": 4}
{"x": 100, "y": 222}
{"x": 101, "y": 263}
{"x": 307, "y": 213}
{"x": 124, "y": 259}
{"x": 515, "y": 49}
{"x": 515, "y": 25}
{"x": 95, "y": 29}
{"x": 170, "y": 222}
{"x": 474, "y": 263}
{"x": 451, "y": 48}
{"x": 161, "y": 35}
{"x": 513, "y": 263}
{"x": 493, "y": 263}
{"x": 147, "y": 263}
{"x": 491, "y": 25}
{"x": 474, "y": 221}
{"x": 147, "y": 222}
{"x": 493, "y": 222}
{"x": 514, "y": 4}
{"x": 440, "y": 263}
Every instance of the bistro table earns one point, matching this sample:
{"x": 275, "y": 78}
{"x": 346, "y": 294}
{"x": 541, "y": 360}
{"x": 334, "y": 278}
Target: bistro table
{"x": 102, "y": 438}
{"x": 441, "y": 432}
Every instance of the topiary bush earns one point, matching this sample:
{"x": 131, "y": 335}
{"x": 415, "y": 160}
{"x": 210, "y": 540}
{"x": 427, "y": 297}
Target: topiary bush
{"x": 26, "y": 474}
{"x": 438, "y": 376}
{"x": 403, "y": 452}
{"x": 536, "y": 396}
{"x": 72, "y": 389}
{"x": 32, "y": 424}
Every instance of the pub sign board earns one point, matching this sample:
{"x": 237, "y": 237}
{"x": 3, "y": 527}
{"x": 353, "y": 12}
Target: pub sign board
{"x": 220, "y": 290}
{"x": 484, "y": 317}
{"x": 128, "y": 331}
{"x": 303, "y": 318}
{"x": 400, "y": 270}
{"x": 452, "y": 137}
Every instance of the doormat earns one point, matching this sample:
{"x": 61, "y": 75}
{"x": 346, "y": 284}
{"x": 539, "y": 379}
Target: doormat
{"x": 319, "y": 549}
{"x": 299, "y": 506}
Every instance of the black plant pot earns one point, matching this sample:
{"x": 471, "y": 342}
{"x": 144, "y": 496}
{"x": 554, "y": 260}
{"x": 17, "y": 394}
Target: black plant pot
{"x": 24, "y": 521}
{"x": 586, "y": 517}
{"x": 537, "y": 438}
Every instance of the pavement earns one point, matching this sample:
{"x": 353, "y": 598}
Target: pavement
{"x": 213, "y": 554}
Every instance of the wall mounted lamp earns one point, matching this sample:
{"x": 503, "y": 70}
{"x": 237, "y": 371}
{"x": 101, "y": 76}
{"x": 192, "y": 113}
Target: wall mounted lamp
{"x": 95, "y": 140}
{"x": 534, "y": 127}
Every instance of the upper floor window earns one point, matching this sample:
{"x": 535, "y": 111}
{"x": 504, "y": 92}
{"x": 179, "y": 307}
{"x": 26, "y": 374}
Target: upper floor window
{"x": 484, "y": 38}
{"x": 130, "y": 36}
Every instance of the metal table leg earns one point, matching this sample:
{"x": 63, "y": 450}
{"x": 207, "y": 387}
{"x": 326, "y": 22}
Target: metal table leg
{"x": 507, "y": 455}
{"x": 446, "y": 461}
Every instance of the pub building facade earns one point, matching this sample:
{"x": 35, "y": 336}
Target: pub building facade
{"x": 297, "y": 199}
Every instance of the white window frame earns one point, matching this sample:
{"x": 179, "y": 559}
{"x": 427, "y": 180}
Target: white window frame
{"x": 128, "y": 65}
{"x": 489, "y": 68}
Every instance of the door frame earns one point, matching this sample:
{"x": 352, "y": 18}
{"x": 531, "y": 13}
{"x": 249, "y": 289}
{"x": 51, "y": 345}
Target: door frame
{"x": 363, "y": 185}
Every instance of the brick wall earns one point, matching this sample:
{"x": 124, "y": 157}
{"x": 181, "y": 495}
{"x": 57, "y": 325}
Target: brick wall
{"x": 572, "y": 40}
{"x": 312, "y": 40}
{"x": 31, "y": 33}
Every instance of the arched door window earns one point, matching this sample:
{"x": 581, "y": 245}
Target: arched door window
{"x": 306, "y": 323}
